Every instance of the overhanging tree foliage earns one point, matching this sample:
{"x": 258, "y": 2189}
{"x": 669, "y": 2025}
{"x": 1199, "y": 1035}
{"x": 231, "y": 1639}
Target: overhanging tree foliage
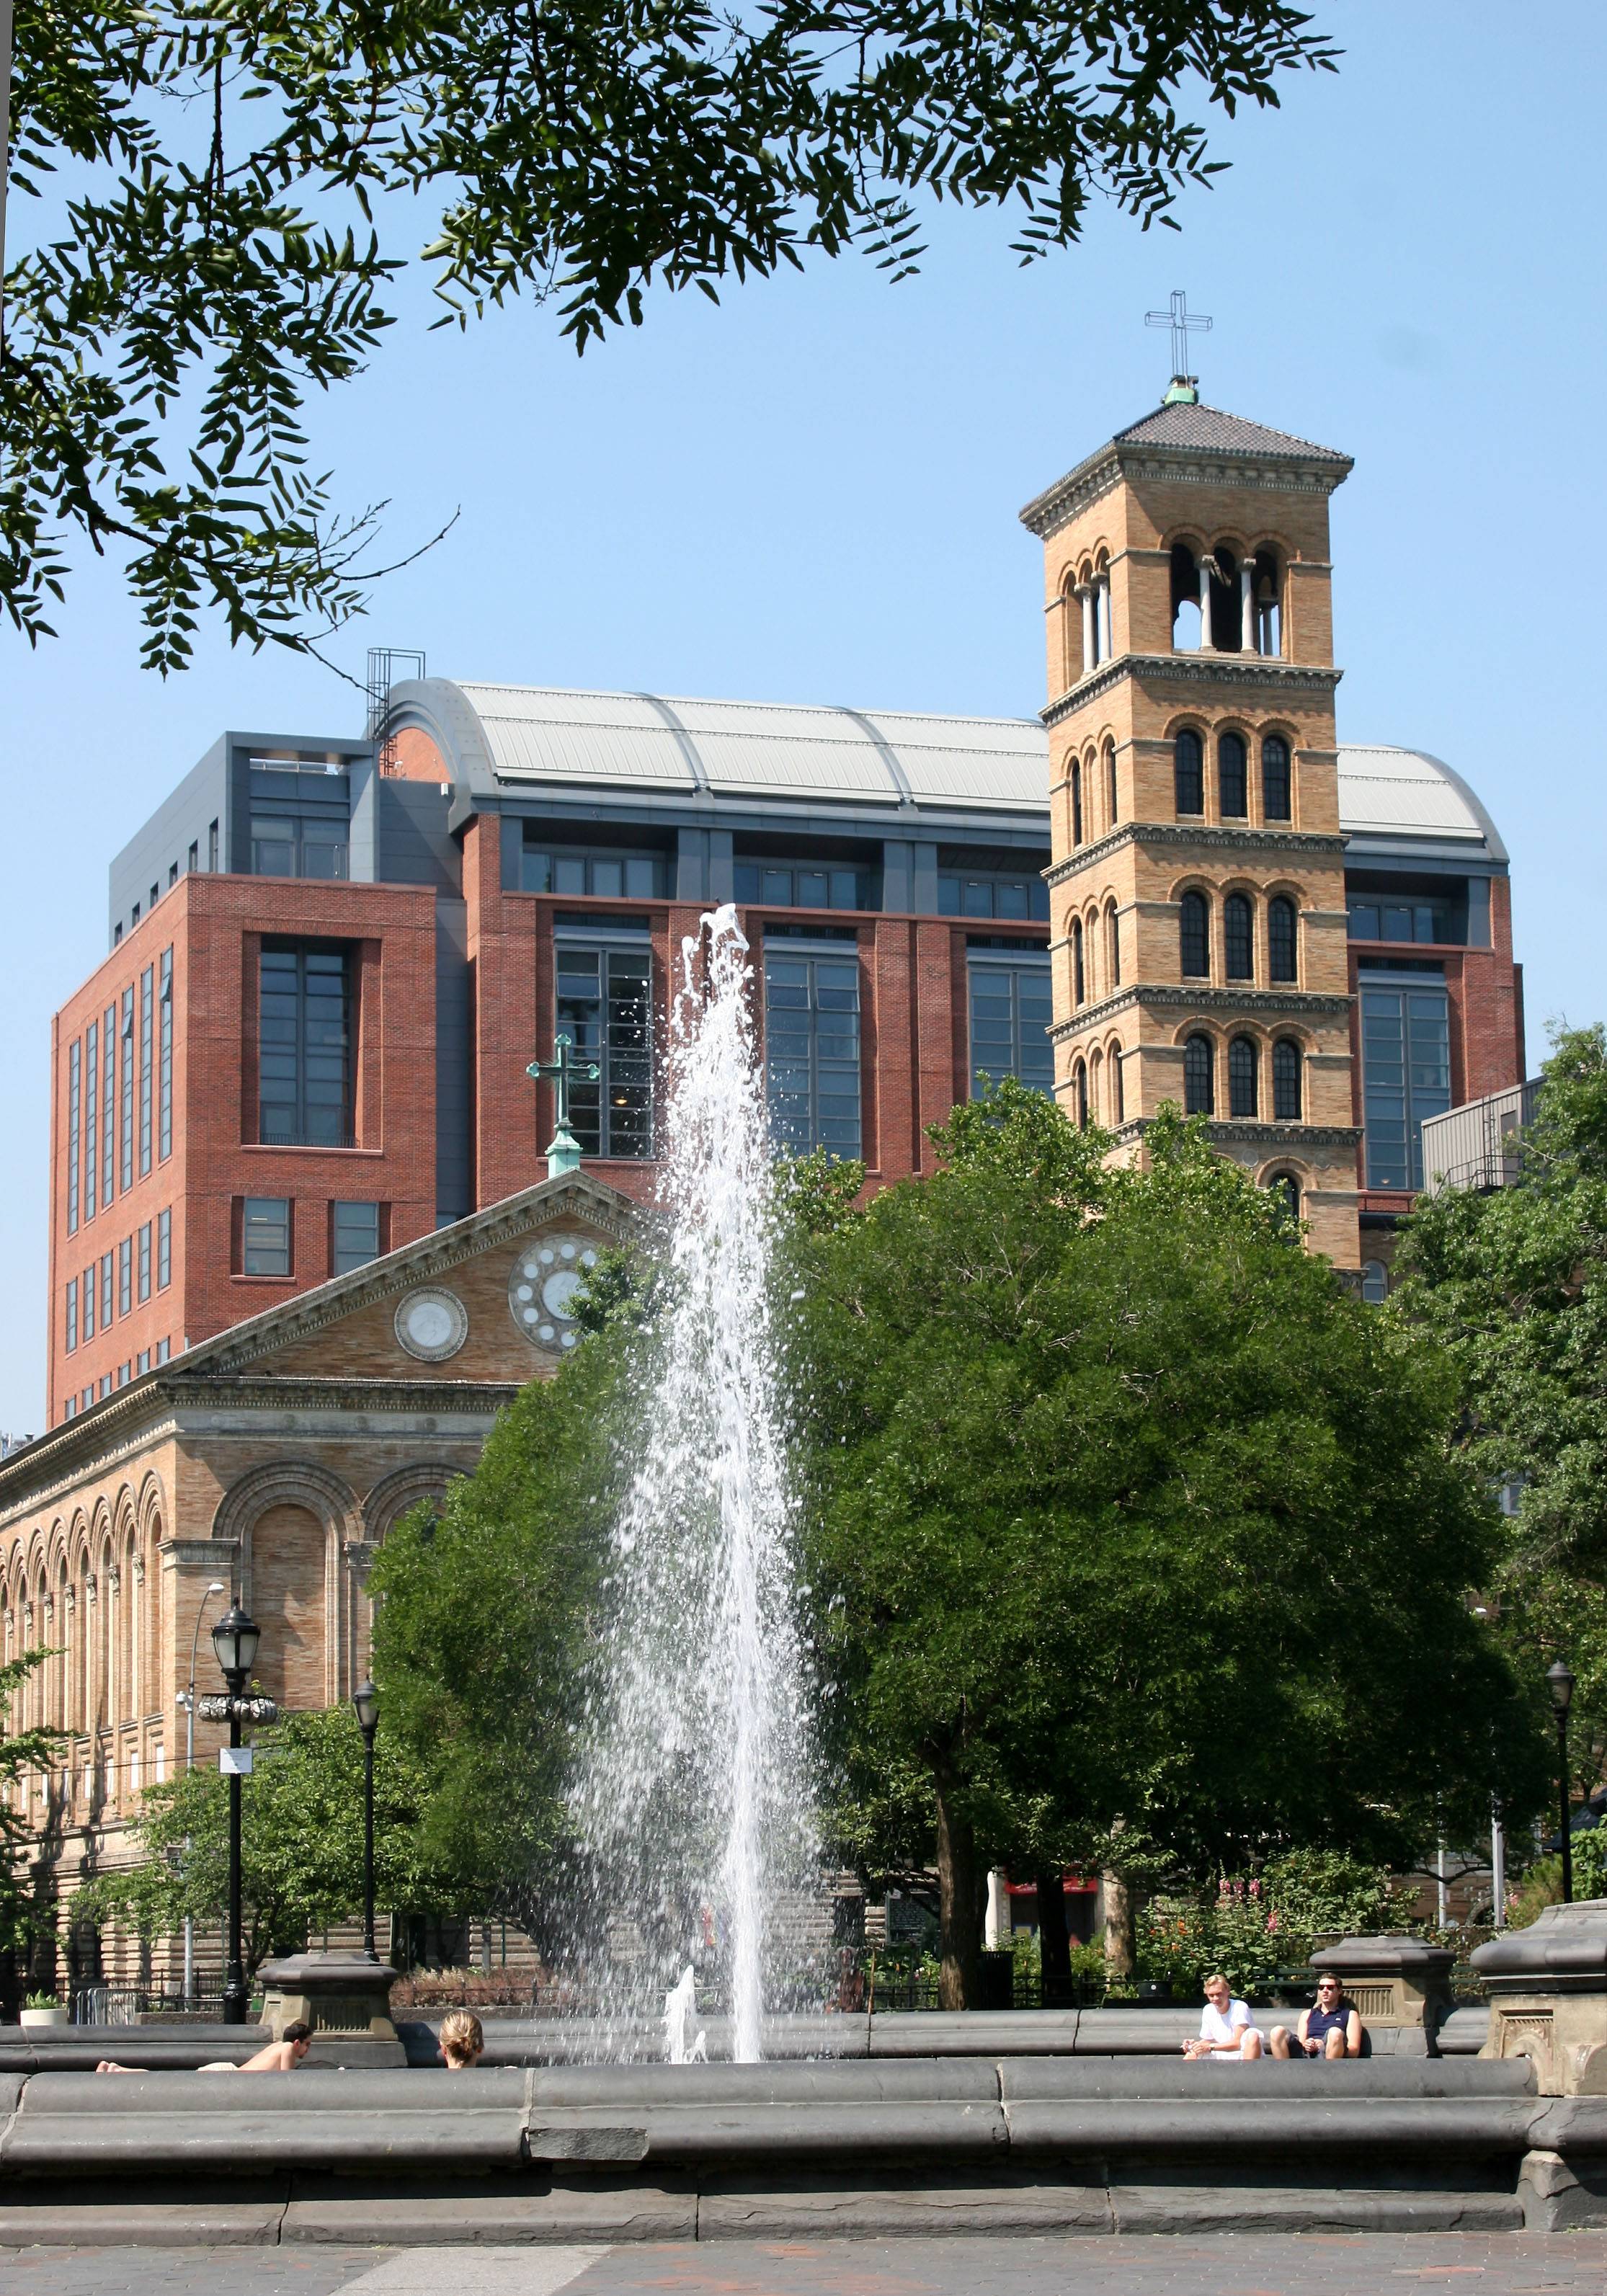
{"x": 1132, "y": 1538}
{"x": 224, "y": 184}
{"x": 1513, "y": 1284}
{"x": 22, "y": 1918}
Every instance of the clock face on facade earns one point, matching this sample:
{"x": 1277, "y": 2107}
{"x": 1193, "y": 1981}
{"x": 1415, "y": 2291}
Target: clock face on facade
{"x": 431, "y": 1324}
{"x": 541, "y": 1290}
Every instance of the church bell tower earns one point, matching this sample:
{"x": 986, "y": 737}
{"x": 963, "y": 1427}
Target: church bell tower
{"x": 1197, "y": 896}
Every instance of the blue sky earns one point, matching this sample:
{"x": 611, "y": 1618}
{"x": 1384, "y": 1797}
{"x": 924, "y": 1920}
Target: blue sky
{"x": 810, "y": 494}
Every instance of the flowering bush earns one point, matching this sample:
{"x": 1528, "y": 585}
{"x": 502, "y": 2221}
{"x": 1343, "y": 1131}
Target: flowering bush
{"x": 1255, "y": 1927}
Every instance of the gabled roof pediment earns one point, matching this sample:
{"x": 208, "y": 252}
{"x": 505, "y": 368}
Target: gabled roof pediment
{"x": 474, "y": 1301}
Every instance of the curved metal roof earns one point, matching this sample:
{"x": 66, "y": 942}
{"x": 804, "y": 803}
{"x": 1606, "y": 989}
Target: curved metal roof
{"x": 557, "y": 738}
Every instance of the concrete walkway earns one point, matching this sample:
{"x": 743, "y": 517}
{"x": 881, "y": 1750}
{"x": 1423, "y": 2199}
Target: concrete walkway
{"x": 1365, "y": 2264}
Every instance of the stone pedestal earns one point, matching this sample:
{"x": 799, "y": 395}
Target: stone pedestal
{"x": 1548, "y": 1986}
{"x": 1400, "y": 1986}
{"x": 345, "y": 2000}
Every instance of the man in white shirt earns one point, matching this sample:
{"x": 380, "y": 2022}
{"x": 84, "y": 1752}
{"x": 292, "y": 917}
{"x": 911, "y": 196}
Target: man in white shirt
{"x": 1226, "y": 2029}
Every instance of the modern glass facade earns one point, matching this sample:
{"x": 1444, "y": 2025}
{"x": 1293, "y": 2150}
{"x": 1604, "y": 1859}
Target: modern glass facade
{"x": 812, "y": 1050}
{"x": 1406, "y": 1074}
{"x": 605, "y": 1006}
{"x": 1011, "y": 1010}
{"x": 304, "y": 1071}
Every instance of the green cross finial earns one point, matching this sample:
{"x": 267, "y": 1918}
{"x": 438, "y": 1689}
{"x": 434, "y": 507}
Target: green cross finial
{"x": 563, "y": 1155}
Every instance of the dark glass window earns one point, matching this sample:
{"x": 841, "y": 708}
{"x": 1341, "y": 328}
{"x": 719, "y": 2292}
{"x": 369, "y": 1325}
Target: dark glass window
{"x": 1195, "y": 937}
{"x": 75, "y": 1118}
{"x": 1406, "y": 1076}
{"x": 126, "y": 1112}
{"x": 1286, "y": 1188}
{"x": 1414, "y": 920}
{"x": 1233, "y": 768}
{"x": 1079, "y": 978}
{"x": 1079, "y": 1094}
{"x": 1375, "y": 1283}
{"x": 292, "y": 846}
{"x": 164, "y": 1250}
{"x": 1118, "y": 1095}
{"x": 89, "y": 1302}
{"x": 164, "y": 1122}
{"x": 804, "y": 885}
{"x": 1010, "y": 1017}
{"x": 1281, "y": 947}
{"x": 1237, "y": 942}
{"x": 1188, "y": 767}
{"x": 973, "y": 894}
{"x": 72, "y": 1313}
{"x": 265, "y": 1236}
{"x": 144, "y": 1260}
{"x": 812, "y": 1052}
{"x": 1112, "y": 807}
{"x": 91, "y": 1118}
{"x": 602, "y": 876}
{"x": 1199, "y": 1077}
{"x": 1076, "y": 802}
{"x": 354, "y": 1236}
{"x": 147, "y": 1045}
{"x": 304, "y": 1074}
{"x": 1286, "y": 1081}
{"x": 124, "y": 1275}
{"x": 606, "y": 1007}
{"x": 1243, "y": 1064}
{"x": 108, "y": 1101}
{"x": 105, "y": 1289}
{"x": 1275, "y": 778}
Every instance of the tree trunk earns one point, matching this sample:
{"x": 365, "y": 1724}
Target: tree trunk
{"x": 959, "y": 1903}
{"x": 1121, "y": 1917}
{"x": 1054, "y": 1945}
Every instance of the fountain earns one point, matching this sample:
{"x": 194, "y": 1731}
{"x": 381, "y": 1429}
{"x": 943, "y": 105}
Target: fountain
{"x": 695, "y": 1801}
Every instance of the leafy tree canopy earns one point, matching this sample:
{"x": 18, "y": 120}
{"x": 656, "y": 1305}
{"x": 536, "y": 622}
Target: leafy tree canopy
{"x": 481, "y": 1629}
{"x": 1514, "y": 1285}
{"x": 21, "y": 1751}
{"x": 1133, "y": 1536}
{"x": 301, "y": 1841}
{"x": 223, "y": 184}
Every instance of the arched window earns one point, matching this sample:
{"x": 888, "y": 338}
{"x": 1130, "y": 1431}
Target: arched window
{"x": 1078, "y": 981}
{"x": 1112, "y": 807}
{"x": 1096, "y": 1078}
{"x": 1237, "y": 942}
{"x": 1264, "y": 582}
{"x": 1243, "y": 1061}
{"x": 1113, "y": 946}
{"x": 1186, "y": 632}
{"x": 1275, "y": 778}
{"x": 1118, "y": 1108}
{"x": 1286, "y": 1081}
{"x": 1286, "y": 1187}
{"x": 1188, "y": 771}
{"x": 1375, "y": 1283}
{"x": 1233, "y": 774}
{"x": 1199, "y": 1077}
{"x": 1079, "y": 1094}
{"x": 1280, "y": 954}
{"x": 1195, "y": 937}
{"x": 1077, "y": 801}
{"x": 1070, "y": 635}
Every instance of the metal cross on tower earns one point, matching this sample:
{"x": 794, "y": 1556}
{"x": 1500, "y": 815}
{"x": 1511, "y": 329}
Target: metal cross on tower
{"x": 1183, "y": 322}
{"x": 564, "y": 1153}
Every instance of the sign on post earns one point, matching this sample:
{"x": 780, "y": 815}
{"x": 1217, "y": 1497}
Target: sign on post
{"x": 234, "y": 1761}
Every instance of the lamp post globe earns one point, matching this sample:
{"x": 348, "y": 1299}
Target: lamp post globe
{"x": 235, "y": 1638}
{"x": 366, "y": 1702}
{"x": 1559, "y": 1681}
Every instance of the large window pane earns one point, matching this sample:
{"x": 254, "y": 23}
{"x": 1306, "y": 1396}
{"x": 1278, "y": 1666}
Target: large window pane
{"x": 355, "y": 1239}
{"x": 265, "y": 1236}
{"x": 812, "y": 1053}
{"x": 1406, "y": 1076}
{"x": 1010, "y": 1016}
{"x": 605, "y": 1008}
{"x": 304, "y": 1059}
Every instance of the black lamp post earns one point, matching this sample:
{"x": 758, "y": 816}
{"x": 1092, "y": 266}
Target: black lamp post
{"x": 365, "y": 1700}
{"x": 235, "y": 1638}
{"x": 1559, "y": 1681}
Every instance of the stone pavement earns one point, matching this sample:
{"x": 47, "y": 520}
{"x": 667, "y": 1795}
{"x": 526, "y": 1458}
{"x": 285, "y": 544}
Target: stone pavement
{"x": 1362, "y": 2264}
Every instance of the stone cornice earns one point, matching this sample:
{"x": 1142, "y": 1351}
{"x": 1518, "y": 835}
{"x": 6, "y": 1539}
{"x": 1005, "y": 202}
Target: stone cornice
{"x": 1311, "y": 842}
{"x": 1246, "y": 1003}
{"x": 1190, "y": 466}
{"x": 1245, "y": 1132}
{"x": 1239, "y": 670}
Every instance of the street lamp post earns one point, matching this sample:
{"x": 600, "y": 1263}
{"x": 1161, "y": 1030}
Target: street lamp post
{"x": 1559, "y": 1681}
{"x": 216, "y": 1587}
{"x": 235, "y": 1638}
{"x": 365, "y": 1700}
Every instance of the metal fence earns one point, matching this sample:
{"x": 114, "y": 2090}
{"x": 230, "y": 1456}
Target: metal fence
{"x": 128, "y": 2004}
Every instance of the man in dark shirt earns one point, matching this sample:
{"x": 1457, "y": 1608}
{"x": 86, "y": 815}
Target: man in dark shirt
{"x": 1329, "y": 2028}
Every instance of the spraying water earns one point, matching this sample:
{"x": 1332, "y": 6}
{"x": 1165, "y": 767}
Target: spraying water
{"x": 694, "y": 1800}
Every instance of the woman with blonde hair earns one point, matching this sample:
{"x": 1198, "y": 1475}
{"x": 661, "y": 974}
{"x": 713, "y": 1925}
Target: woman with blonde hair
{"x": 463, "y": 2040}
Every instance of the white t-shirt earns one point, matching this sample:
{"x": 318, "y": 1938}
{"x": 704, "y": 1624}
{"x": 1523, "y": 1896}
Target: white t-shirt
{"x": 1216, "y": 2026}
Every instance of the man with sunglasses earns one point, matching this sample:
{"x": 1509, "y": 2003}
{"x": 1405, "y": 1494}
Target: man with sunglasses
{"x": 1330, "y": 2028}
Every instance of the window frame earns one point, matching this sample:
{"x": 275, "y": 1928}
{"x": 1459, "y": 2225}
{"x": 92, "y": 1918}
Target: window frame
{"x": 1240, "y": 786}
{"x": 989, "y": 970}
{"x": 302, "y": 1048}
{"x": 1238, "y": 938}
{"x": 1283, "y": 955}
{"x": 1243, "y": 1078}
{"x": 603, "y": 1040}
{"x": 1283, "y": 809}
{"x": 1198, "y": 1075}
{"x": 803, "y": 1135}
{"x": 1194, "y": 904}
{"x": 1194, "y": 770}
{"x": 287, "y": 1249}
{"x": 1286, "y": 1051}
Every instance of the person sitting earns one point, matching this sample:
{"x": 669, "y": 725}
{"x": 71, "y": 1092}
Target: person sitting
{"x": 463, "y": 2040}
{"x": 280, "y": 2056}
{"x": 1226, "y": 2029}
{"x": 1330, "y": 2028}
